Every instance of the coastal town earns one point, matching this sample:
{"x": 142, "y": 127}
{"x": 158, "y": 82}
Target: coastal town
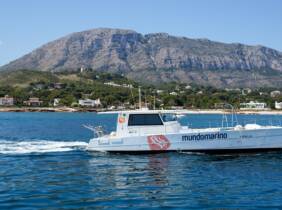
{"x": 88, "y": 90}
{"x": 88, "y": 103}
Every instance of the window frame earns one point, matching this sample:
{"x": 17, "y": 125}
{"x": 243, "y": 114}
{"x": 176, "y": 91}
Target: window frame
{"x": 131, "y": 124}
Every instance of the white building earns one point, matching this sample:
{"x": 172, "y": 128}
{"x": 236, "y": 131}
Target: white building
{"x": 6, "y": 101}
{"x": 278, "y": 105}
{"x": 246, "y": 91}
{"x": 127, "y": 85}
{"x": 56, "y": 101}
{"x": 173, "y": 93}
{"x": 111, "y": 107}
{"x": 160, "y": 91}
{"x": 89, "y": 102}
{"x": 275, "y": 93}
{"x": 188, "y": 87}
{"x": 253, "y": 105}
{"x": 232, "y": 90}
{"x": 112, "y": 84}
{"x": 118, "y": 85}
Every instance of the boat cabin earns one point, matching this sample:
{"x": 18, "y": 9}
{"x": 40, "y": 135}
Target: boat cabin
{"x": 139, "y": 122}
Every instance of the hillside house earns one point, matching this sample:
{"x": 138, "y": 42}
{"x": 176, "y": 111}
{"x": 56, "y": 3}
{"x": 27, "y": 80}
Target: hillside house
{"x": 246, "y": 91}
{"x": 118, "y": 85}
{"x": 33, "y": 102}
{"x": 6, "y": 101}
{"x": 57, "y": 86}
{"x": 39, "y": 85}
{"x": 56, "y": 101}
{"x": 275, "y": 93}
{"x": 173, "y": 93}
{"x": 278, "y": 105}
{"x": 253, "y": 105}
{"x": 159, "y": 91}
{"x": 90, "y": 102}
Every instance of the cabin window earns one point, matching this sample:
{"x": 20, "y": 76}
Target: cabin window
{"x": 144, "y": 119}
{"x": 167, "y": 117}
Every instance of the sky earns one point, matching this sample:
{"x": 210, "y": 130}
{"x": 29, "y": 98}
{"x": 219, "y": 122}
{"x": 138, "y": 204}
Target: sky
{"x": 27, "y": 24}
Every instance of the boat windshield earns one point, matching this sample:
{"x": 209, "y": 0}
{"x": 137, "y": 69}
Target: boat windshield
{"x": 168, "y": 117}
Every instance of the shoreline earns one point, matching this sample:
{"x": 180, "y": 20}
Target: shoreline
{"x": 45, "y": 109}
{"x": 184, "y": 111}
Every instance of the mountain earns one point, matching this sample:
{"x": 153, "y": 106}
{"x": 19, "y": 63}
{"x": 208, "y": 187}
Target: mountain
{"x": 158, "y": 57}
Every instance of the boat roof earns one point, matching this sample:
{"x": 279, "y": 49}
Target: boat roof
{"x": 143, "y": 111}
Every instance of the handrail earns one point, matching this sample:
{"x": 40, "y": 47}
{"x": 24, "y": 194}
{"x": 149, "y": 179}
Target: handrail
{"x": 98, "y": 130}
{"x": 233, "y": 115}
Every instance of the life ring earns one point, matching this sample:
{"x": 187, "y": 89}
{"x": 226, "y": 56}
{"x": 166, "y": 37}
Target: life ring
{"x": 121, "y": 120}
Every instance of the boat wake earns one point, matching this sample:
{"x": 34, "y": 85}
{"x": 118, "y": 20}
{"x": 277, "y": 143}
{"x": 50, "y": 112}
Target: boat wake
{"x": 40, "y": 146}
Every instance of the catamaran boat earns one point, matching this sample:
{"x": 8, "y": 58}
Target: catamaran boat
{"x": 151, "y": 131}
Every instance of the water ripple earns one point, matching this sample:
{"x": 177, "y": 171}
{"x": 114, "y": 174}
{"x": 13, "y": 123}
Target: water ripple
{"x": 39, "y": 146}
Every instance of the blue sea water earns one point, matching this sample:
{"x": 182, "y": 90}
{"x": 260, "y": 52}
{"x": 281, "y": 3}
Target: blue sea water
{"x": 44, "y": 165}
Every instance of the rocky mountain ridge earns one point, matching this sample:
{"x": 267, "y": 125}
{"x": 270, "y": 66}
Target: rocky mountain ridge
{"x": 158, "y": 57}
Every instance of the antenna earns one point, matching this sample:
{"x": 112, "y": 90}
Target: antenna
{"x": 154, "y": 101}
{"x": 132, "y": 96}
{"x": 140, "y": 103}
{"x": 145, "y": 100}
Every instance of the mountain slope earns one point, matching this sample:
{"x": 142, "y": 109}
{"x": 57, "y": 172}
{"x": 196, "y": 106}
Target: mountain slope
{"x": 158, "y": 57}
{"x": 23, "y": 78}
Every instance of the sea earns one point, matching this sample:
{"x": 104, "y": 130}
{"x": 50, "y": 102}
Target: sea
{"x": 44, "y": 165}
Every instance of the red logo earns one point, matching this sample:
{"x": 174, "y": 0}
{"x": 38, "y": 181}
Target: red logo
{"x": 158, "y": 142}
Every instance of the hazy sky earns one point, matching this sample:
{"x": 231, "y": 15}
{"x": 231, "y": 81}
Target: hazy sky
{"x": 27, "y": 24}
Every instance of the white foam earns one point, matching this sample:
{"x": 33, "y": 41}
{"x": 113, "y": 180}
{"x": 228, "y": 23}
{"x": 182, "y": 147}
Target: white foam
{"x": 39, "y": 146}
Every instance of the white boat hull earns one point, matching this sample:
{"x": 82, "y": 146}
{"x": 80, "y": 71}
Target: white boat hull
{"x": 201, "y": 140}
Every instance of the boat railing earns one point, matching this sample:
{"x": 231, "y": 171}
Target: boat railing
{"x": 97, "y": 130}
{"x": 234, "y": 119}
{"x": 241, "y": 121}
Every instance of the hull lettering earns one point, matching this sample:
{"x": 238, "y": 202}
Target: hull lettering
{"x": 202, "y": 137}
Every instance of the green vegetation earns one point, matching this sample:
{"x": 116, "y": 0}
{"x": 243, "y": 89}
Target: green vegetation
{"x": 72, "y": 86}
{"x": 23, "y": 78}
